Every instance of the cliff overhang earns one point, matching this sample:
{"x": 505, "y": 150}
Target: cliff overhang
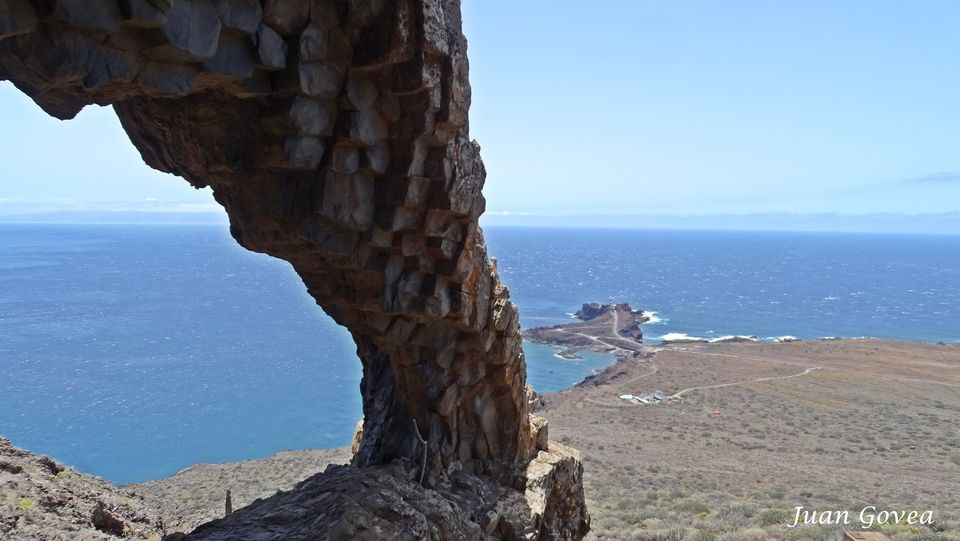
{"x": 335, "y": 134}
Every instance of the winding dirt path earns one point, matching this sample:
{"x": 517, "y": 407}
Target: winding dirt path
{"x": 772, "y": 361}
{"x": 612, "y": 348}
{"x": 734, "y": 356}
{"x": 679, "y": 394}
{"x": 652, "y": 371}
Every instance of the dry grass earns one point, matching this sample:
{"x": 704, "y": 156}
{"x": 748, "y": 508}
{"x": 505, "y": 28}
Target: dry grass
{"x": 878, "y": 425}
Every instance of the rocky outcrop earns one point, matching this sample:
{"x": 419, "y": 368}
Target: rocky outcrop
{"x": 591, "y": 310}
{"x": 602, "y": 327}
{"x": 335, "y": 134}
{"x": 43, "y": 500}
{"x": 388, "y": 502}
{"x": 197, "y": 494}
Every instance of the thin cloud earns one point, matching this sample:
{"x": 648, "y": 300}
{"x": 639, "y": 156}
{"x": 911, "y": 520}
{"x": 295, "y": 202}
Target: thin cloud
{"x": 943, "y": 177}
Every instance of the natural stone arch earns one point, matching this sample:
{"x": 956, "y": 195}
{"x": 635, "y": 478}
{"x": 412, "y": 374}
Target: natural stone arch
{"x": 335, "y": 134}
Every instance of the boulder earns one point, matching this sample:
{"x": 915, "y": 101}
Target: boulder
{"x": 271, "y": 48}
{"x": 242, "y": 16}
{"x": 304, "y": 153}
{"x": 102, "y": 15}
{"x": 288, "y": 17}
{"x": 232, "y": 58}
{"x": 144, "y": 13}
{"x": 311, "y": 116}
{"x": 191, "y": 32}
{"x": 319, "y": 80}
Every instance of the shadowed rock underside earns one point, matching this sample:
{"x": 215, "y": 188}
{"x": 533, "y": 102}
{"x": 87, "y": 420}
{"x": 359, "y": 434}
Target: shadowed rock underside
{"x": 335, "y": 134}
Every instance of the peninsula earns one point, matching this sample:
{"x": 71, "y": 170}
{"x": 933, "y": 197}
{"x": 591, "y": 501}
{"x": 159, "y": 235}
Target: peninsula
{"x": 612, "y": 328}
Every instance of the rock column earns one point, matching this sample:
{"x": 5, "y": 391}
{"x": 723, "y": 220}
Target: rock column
{"x": 335, "y": 134}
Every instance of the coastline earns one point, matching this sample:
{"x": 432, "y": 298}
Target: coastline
{"x": 756, "y": 429}
{"x": 572, "y": 412}
{"x": 752, "y": 384}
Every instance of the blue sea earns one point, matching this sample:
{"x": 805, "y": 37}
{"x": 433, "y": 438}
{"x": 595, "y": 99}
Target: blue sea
{"x": 132, "y": 352}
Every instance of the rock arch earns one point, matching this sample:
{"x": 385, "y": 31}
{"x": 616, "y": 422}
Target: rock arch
{"x": 335, "y": 134}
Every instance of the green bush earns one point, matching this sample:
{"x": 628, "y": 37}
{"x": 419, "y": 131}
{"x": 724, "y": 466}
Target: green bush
{"x": 772, "y": 517}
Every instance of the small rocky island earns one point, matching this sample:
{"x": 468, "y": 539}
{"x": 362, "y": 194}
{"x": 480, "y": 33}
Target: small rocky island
{"x": 613, "y": 328}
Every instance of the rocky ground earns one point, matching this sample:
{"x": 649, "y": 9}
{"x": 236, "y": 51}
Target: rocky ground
{"x": 43, "y": 500}
{"x": 756, "y": 429}
{"x": 752, "y": 431}
{"x": 198, "y": 494}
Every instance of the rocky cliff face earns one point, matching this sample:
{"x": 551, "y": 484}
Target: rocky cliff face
{"x": 335, "y": 134}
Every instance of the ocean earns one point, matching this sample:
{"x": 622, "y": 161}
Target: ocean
{"x": 132, "y": 352}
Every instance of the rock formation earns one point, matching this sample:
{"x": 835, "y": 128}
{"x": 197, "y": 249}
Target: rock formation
{"x": 335, "y": 134}
{"x": 601, "y": 327}
{"x": 43, "y": 499}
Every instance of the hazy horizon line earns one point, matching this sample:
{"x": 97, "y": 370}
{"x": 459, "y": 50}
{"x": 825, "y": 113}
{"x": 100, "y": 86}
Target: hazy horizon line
{"x": 213, "y": 208}
{"x": 947, "y": 223}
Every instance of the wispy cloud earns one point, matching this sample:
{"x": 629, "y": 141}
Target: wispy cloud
{"x": 942, "y": 177}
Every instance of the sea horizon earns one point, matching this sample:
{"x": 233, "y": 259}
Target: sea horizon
{"x": 176, "y": 346}
{"x": 935, "y": 224}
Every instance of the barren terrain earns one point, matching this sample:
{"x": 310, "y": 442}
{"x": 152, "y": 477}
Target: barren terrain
{"x": 757, "y": 429}
{"x": 751, "y": 431}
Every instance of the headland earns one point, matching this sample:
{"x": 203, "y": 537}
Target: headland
{"x": 612, "y": 328}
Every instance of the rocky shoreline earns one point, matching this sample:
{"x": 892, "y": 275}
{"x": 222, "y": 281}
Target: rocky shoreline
{"x": 610, "y": 328}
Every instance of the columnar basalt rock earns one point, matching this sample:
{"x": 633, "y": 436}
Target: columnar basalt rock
{"x": 335, "y": 134}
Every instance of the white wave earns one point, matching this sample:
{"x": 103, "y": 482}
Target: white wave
{"x": 786, "y": 338}
{"x": 734, "y": 338}
{"x": 674, "y": 337}
{"x": 653, "y": 317}
{"x": 831, "y": 298}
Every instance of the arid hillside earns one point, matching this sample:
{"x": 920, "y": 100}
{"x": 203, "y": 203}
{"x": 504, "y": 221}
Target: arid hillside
{"x": 751, "y": 431}
{"x": 756, "y": 429}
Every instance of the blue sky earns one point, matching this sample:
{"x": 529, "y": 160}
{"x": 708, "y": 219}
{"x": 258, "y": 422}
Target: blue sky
{"x": 641, "y": 107}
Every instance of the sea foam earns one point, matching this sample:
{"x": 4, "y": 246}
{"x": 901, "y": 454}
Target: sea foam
{"x": 734, "y": 338}
{"x": 678, "y": 337}
{"x": 652, "y": 317}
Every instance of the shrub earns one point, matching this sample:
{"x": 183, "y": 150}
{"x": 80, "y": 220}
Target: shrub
{"x": 706, "y": 534}
{"x": 694, "y": 507}
{"x": 771, "y": 517}
{"x": 749, "y": 534}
